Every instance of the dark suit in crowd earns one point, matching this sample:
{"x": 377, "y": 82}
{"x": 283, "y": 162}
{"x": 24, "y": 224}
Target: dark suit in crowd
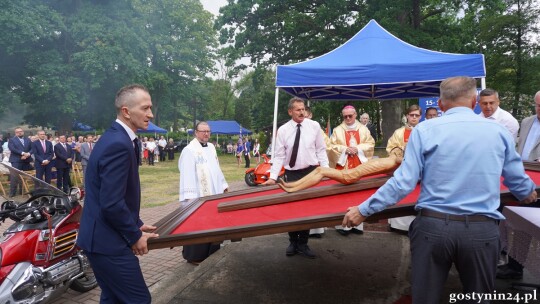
{"x": 18, "y": 146}
{"x": 43, "y": 172}
{"x": 63, "y": 153}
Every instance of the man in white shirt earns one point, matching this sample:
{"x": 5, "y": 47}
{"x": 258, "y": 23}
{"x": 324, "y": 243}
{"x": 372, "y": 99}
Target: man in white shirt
{"x": 161, "y": 147}
{"x": 300, "y": 147}
{"x": 489, "y": 103}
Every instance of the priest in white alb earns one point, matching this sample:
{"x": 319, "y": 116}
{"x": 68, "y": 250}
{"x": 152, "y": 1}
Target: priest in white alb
{"x": 200, "y": 175}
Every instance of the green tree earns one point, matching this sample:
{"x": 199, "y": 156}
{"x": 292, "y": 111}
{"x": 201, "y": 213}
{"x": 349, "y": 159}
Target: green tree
{"x": 180, "y": 40}
{"x": 509, "y": 39}
{"x": 66, "y": 59}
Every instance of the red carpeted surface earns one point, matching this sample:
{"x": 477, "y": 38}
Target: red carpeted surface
{"x": 206, "y": 217}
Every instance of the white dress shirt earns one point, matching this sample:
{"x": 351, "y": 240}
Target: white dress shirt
{"x": 311, "y": 150}
{"x": 506, "y": 119}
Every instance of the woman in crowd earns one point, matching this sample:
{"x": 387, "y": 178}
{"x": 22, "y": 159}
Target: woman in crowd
{"x": 256, "y": 150}
{"x": 169, "y": 148}
{"x": 239, "y": 153}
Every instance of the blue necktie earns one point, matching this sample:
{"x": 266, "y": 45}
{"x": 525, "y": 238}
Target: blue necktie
{"x": 137, "y": 150}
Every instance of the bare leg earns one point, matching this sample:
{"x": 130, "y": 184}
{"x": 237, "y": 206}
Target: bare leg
{"x": 374, "y": 166}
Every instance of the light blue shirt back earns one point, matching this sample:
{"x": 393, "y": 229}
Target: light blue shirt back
{"x": 459, "y": 159}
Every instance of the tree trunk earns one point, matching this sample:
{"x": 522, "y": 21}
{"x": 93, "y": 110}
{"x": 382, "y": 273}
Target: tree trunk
{"x": 391, "y": 113}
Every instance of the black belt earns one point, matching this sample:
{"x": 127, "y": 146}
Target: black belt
{"x": 309, "y": 168}
{"x": 454, "y": 217}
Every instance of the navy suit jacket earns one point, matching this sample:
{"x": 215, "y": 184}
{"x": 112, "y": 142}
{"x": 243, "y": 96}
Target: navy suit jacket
{"x": 110, "y": 223}
{"x": 39, "y": 154}
{"x": 16, "y": 148}
{"x": 62, "y": 155}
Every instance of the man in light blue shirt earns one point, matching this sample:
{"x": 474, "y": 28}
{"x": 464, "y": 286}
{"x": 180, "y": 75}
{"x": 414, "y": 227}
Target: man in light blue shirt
{"x": 459, "y": 159}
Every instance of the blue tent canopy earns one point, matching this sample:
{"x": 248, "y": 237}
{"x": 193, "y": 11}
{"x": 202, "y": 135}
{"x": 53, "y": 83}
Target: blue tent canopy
{"x": 226, "y": 127}
{"x": 152, "y": 128}
{"x": 374, "y": 64}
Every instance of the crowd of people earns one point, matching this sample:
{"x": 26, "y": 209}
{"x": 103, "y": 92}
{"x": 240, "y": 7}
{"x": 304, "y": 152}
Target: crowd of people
{"x": 44, "y": 152}
{"x": 50, "y": 157}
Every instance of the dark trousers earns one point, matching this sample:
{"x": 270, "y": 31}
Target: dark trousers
{"x": 247, "y": 158}
{"x": 302, "y": 236}
{"x": 120, "y": 278}
{"x": 44, "y": 173}
{"x": 15, "y": 183}
{"x": 62, "y": 179}
{"x": 436, "y": 244}
{"x": 151, "y": 158}
{"x": 161, "y": 153}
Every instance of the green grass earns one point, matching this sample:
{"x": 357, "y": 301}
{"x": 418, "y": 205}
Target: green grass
{"x": 160, "y": 183}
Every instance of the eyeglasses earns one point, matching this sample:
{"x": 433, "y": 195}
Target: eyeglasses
{"x": 204, "y": 131}
{"x": 348, "y": 116}
{"x": 414, "y": 115}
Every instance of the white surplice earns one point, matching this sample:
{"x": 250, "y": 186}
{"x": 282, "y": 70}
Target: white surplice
{"x": 200, "y": 174}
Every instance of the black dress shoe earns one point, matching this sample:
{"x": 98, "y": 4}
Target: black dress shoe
{"x": 507, "y": 273}
{"x": 357, "y": 231}
{"x": 315, "y": 235}
{"x": 291, "y": 249}
{"x": 304, "y": 250}
{"x": 342, "y": 232}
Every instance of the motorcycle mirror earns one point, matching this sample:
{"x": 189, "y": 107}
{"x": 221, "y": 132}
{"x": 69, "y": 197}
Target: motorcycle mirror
{"x": 75, "y": 193}
{"x": 8, "y": 205}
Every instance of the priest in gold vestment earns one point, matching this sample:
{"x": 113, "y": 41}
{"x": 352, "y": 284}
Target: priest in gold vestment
{"x": 351, "y": 144}
{"x": 399, "y": 141}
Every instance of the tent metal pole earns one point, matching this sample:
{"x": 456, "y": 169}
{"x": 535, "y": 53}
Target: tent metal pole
{"x": 274, "y": 127}
{"x": 483, "y": 82}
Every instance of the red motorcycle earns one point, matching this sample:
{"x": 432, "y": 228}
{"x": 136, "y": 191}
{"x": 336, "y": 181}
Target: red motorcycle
{"x": 261, "y": 173}
{"x": 39, "y": 257}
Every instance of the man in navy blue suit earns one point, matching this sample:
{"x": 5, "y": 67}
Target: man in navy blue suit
{"x": 64, "y": 157}
{"x": 43, "y": 152}
{"x": 19, "y": 158}
{"x": 111, "y": 232}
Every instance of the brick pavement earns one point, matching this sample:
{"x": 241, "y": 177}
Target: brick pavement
{"x": 156, "y": 265}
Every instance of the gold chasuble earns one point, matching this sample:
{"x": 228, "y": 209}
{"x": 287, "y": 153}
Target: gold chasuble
{"x": 344, "y": 136}
{"x": 399, "y": 139}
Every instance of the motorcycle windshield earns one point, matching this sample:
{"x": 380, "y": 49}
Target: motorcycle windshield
{"x": 24, "y": 185}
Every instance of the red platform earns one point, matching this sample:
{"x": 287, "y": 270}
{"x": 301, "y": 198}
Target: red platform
{"x": 200, "y": 221}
